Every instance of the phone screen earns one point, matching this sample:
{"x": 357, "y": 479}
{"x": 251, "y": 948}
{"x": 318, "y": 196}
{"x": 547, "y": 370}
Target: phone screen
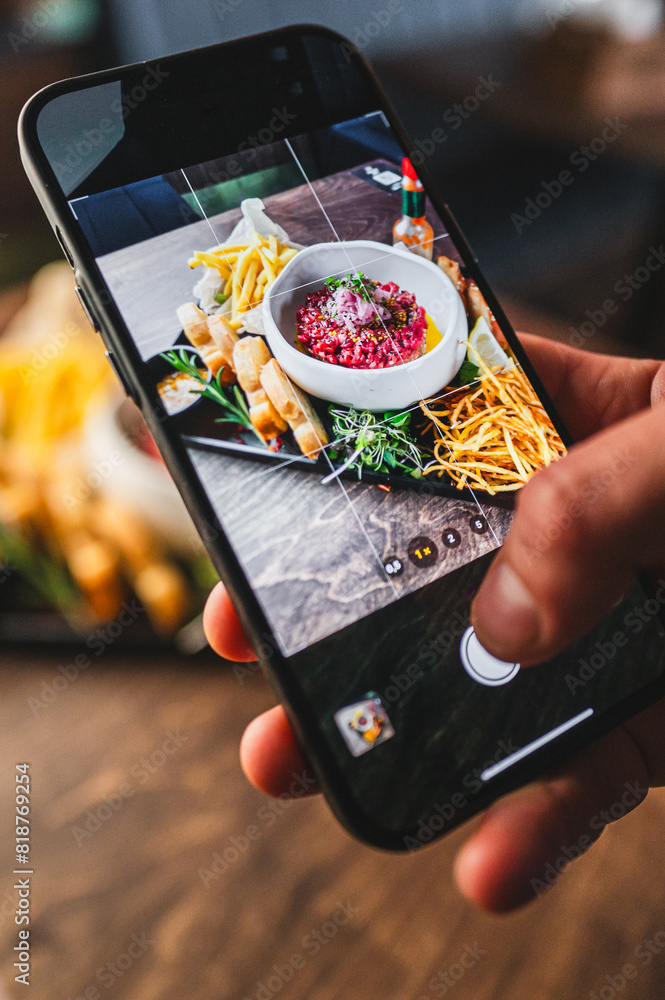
{"x": 361, "y": 425}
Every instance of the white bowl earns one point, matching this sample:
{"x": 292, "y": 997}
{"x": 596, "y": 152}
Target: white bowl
{"x": 376, "y": 389}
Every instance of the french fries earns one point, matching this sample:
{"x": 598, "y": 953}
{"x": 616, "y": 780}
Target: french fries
{"x": 57, "y": 524}
{"x": 247, "y": 269}
{"x": 492, "y": 436}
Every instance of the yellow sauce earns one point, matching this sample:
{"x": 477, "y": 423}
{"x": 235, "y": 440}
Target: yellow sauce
{"x": 174, "y": 390}
{"x": 432, "y": 335}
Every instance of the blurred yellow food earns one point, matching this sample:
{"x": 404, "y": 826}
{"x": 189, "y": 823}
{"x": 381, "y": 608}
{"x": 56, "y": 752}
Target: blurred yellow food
{"x": 53, "y": 377}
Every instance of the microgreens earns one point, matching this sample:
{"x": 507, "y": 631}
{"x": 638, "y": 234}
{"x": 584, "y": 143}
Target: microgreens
{"x": 381, "y": 442}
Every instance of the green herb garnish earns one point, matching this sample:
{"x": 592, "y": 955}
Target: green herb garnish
{"x": 357, "y": 283}
{"x": 468, "y": 373}
{"x": 381, "y": 442}
{"x": 236, "y": 408}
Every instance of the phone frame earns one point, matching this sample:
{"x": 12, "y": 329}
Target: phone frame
{"x": 125, "y": 358}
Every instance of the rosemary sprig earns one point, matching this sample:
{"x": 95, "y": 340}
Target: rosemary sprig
{"x": 236, "y": 409}
{"x": 382, "y": 442}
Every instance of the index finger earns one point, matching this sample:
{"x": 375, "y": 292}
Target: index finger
{"x": 223, "y": 629}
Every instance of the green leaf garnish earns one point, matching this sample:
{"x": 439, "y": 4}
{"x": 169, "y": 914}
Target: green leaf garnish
{"x": 236, "y": 409}
{"x": 468, "y": 373}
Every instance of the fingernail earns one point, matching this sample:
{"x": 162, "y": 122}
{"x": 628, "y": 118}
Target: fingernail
{"x": 466, "y": 868}
{"x": 505, "y": 615}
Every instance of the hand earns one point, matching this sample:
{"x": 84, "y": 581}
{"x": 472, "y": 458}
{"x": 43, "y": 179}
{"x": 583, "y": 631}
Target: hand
{"x": 551, "y": 595}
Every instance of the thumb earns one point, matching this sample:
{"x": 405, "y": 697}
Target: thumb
{"x": 582, "y": 528}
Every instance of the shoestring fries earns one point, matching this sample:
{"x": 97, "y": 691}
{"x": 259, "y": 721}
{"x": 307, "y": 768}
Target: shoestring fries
{"x": 493, "y": 435}
{"x": 248, "y": 267}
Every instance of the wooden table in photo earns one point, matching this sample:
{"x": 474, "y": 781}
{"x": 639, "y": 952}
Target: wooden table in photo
{"x": 160, "y": 874}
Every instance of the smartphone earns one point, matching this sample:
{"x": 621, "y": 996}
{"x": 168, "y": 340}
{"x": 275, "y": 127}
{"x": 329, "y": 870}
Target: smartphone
{"x": 343, "y": 405}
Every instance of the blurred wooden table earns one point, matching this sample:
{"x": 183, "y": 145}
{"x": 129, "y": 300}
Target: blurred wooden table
{"x": 125, "y": 912}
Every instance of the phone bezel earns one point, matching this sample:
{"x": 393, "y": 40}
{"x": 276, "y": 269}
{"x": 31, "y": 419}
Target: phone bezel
{"x": 118, "y": 340}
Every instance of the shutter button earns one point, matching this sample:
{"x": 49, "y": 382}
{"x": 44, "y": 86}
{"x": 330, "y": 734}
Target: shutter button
{"x": 481, "y": 665}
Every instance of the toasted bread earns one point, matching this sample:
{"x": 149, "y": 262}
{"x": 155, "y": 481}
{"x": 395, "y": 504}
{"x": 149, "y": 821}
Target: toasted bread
{"x": 452, "y": 269}
{"x": 225, "y": 339}
{"x": 195, "y": 325}
{"x": 295, "y": 408}
{"x": 249, "y": 356}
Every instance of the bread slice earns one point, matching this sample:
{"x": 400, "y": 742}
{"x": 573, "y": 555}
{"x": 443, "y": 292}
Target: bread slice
{"x": 476, "y": 306}
{"x": 295, "y": 408}
{"x": 250, "y": 354}
{"x": 452, "y": 269}
{"x": 195, "y": 324}
{"x": 225, "y": 338}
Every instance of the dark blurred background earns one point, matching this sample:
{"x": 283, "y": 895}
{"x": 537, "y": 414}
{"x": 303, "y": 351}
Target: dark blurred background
{"x": 556, "y": 70}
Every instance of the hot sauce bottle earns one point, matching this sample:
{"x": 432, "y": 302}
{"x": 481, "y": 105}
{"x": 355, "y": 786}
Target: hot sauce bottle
{"x": 413, "y": 229}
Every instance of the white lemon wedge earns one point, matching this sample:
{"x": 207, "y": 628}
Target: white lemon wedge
{"x": 485, "y": 343}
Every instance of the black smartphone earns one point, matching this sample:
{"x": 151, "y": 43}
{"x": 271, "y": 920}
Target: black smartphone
{"x": 341, "y": 402}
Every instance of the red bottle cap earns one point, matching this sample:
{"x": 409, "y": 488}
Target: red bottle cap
{"x": 407, "y": 169}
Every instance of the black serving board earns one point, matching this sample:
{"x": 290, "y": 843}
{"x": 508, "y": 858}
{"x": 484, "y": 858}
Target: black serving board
{"x": 200, "y": 427}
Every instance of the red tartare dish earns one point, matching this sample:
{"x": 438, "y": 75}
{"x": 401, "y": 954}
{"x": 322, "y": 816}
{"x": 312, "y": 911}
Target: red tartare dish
{"x": 358, "y": 323}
